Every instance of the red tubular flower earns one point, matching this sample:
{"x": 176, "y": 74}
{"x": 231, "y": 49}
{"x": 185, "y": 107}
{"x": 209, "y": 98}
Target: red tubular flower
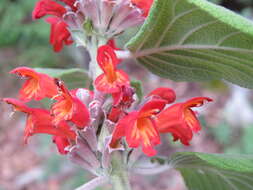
{"x": 164, "y": 93}
{"x": 70, "y": 3}
{"x": 180, "y": 120}
{"x": 59, "y": 29}
{"x": 145, "y": 5}
{"x": 112, "y": 43}
{"x": 59, "y": 33}
{"x": 48, "y": 7}
{"x": 69, "y": 108}
{"x": 40, "y": 121}
{"x": 37, "y": 85}
{"x": 111, "y": 80}
{"x": 61, "y": 143}
{"x": 115, "y": 113}
{"x": 121, "y": 101}
{"x": 140, "y": 128}
{"x": 123, "y": 98}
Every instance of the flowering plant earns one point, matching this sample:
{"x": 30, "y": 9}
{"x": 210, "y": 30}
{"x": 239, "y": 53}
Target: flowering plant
{"x": 102, "y": 129}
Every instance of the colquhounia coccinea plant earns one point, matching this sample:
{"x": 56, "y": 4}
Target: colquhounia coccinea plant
{"x": 100, "y": 130}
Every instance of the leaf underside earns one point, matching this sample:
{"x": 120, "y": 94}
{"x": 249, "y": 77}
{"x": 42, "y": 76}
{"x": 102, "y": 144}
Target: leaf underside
{"x": 194, "y": 40}
{"x": 214, "y": 171}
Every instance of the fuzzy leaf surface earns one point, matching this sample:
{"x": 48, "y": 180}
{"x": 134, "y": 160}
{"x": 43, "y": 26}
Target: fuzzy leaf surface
{"x": 202, "y": 171}
{"x": 195, "y": 40}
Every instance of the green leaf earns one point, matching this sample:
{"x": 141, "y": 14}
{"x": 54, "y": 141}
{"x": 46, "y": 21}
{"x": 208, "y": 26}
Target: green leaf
{"x": 137, "y": 85}
{"x": 74, "y": 78}
{"x": 203, "y": 171}
{"x": 195, "y": 40}
{"x": 246, "y": 144}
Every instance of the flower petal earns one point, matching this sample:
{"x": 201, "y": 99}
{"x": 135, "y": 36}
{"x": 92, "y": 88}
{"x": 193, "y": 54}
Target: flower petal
{"x": 69, "y": 108}
{"x": 102, "y": 84}
{"x": 122, "y": 127}
{"x": 145, "y": 5}
{"x": 48, "y": 7}
{"x": 37, "y": 85}
{"x": 163, "y": 93}
{"x": 40, "y": 121}
{"x": 180, "y": 120}
{"x": 59, "y": 33}
{"x": 61, "y": 143}
{"x": 106, "y": 58}
{"x": 143, "y": 133}
{"x": 152, "y": 107}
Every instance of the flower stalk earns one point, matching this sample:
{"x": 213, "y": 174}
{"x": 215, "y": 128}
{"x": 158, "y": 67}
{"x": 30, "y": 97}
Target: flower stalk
{"x": 94, "y": 183}
{"x": 119, "y": 175}
{"x": 92, "y": 47}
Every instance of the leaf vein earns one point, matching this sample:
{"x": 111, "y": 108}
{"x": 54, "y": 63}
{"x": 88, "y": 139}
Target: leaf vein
{"x": 159, "y": 41}
{"x": 194, "y": 30}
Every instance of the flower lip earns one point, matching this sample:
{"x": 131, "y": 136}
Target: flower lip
{"x": 180, "y": 120}
{"x": 17, "y": 105}
{"x": 152, "y": 107}
{"x": 139, "y": 127}
{"x": 61, "y": 143}
{"x": 163, "y": 93}
{"x": 60, "y": 34}
{"x": 40, "y": 121}
{"x": 112, "y": 79}
{"x": 197, "y": 102}
{"x": 102, "y": 84}
{"x": 144, "y": 5}
{"x": 24, "y": 72}
{"x": 69, "y": 107}
{"x": 107, "y": 58}
{"x": 37, "y": 85}
{"x": 48, "y": 7}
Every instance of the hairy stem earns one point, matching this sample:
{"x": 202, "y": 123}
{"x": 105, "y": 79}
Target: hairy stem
{"x": 94, "y": 68}
{"x": 152, "y": 170}
{"x": 124, "y": 54}
{"x": 119, "y": 175}
{"x": 96, "y": 182}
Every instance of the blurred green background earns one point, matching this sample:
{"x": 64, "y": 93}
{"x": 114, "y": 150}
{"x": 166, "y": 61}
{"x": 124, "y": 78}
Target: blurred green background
{"x": 228, "y": 127}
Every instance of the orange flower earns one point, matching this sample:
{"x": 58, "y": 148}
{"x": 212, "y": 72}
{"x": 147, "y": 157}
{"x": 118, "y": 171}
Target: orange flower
{"x": 40, "y": 121}
{"x": 112, "y": 79}
{"x": 69, "y": 108}
{"x": 37, "y": 85}
{"x": 180, "y": 120}
{"x": 139, "y": 128}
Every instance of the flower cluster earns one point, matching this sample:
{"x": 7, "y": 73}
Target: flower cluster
{"x": 88, "y": 125}
{"x": 67, "y": 114}
{"x": 76, "y": 19}
{"x": 141, "y": 124}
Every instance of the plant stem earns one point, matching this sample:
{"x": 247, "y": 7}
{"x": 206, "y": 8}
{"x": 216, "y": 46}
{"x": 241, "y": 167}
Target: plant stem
{"x": 119, "y": 175}
{"x": 124, "y": 54}
{"x": 98, "y": 181}
{"x": 94, "y": 68}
